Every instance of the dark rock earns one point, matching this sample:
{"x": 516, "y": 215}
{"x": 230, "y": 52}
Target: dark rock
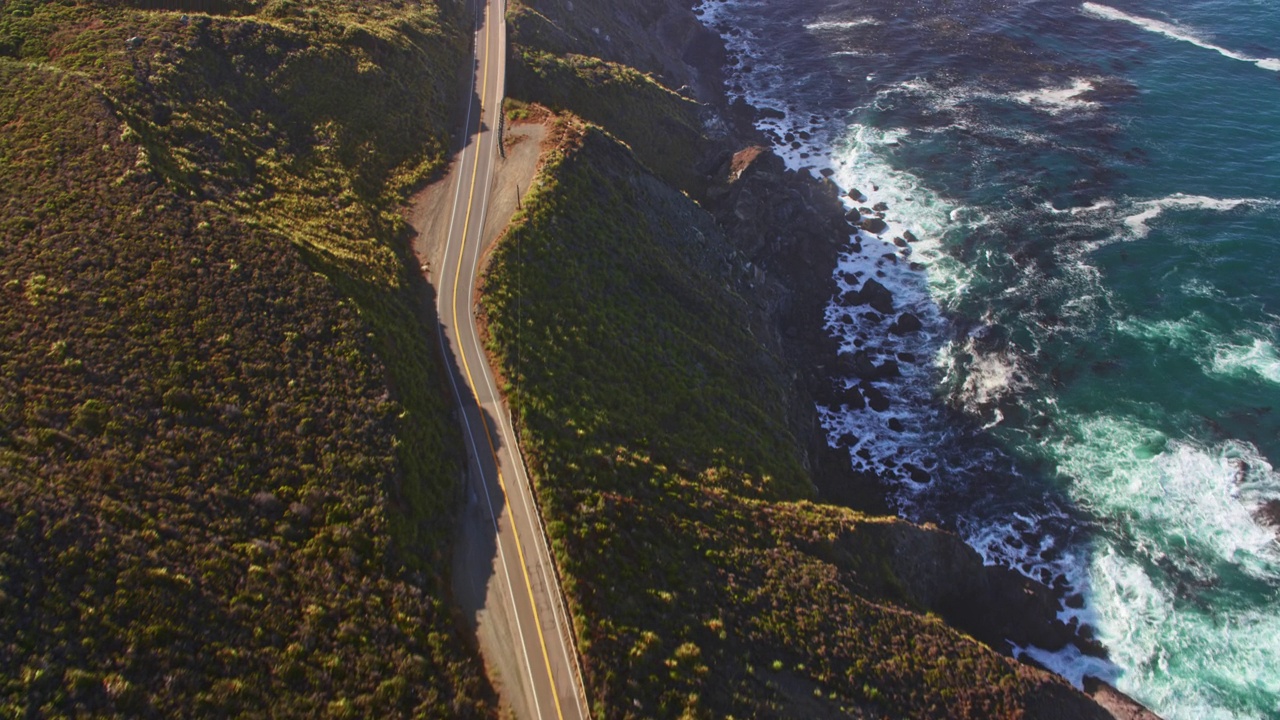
{"x": 876, "y": 399}
{"x": 859, "y": 364}
{"x": 852, "y": 398}
{"x": 891, "y": 257}
{"x": 875, "y": 226}
{"x": 910, "y": 237}
{"x": 895, "y": 425}
{"x": 988, "y": 336}
{"x": 856, "y": 195}
{"x": 853, "y": 216}
{"x": 900, "y": 242}
{"x": 888, "y": 369}
{"x": 880, "y": 207}
{"x": 993, "y": 603}
{"x": 876, "y": 295}
{"x": 1269, "y": 514}
{"x": 770, "y": 113}
{"x": 1116, "y": 703}
{"x": 863, "y": 367}
{"x": 716, "y": 165}
{"x": 916, "y": 473}
{"x": 905, "y": 324}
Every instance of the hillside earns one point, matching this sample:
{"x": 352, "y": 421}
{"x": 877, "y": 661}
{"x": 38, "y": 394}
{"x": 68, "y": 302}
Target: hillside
{"x": 226, "y": 466}
{"x": 704, "y": 580}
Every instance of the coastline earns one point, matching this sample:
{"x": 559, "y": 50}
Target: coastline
{"x": 819, "y": 229}
{"x": 790, "y": 229}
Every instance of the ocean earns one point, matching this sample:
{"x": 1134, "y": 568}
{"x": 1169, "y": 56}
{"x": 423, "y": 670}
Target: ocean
{"x": 1083, "y": 211}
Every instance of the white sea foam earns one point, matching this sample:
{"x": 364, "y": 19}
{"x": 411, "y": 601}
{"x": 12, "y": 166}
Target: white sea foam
{"x": 1176, "y": 32}
{"x": 1175, "y": 493}
{"x": 1241, "y": 355}
{"x": 1057, "y": 100}
{"x": 1098, "y": 207}
{"x": 1179, "y": 515}
{"x": 964, "y": 97}
{"x": 841, "y": 24}
{"x": 859, "y": 161}
{"x": 1150, "y": 209}
{"x": 981, "y": 378}
{"x": 1198, "y": 287}
{"x": 1181, "y": 656}
{"x": 1184, "y": 334}
{"x": 1070, "y": 663}
{"x": 1256, "y": 359}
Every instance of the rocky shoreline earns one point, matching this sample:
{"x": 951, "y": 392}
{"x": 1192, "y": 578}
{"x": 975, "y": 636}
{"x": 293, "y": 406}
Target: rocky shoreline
{"x": 792, "y": 227}
{"x": 789, "y": 229}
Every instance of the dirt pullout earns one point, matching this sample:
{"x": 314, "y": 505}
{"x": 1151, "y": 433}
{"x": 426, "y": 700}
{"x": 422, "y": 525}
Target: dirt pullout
{"x": 430, "y": 210}
{"x": 477, "y": 586}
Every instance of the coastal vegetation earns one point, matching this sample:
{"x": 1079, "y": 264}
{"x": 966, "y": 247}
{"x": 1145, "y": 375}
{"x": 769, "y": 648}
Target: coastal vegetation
{"x": 660, "y": 126}
{"x": 703, "y": 579}
{"x": 226, "y": 468}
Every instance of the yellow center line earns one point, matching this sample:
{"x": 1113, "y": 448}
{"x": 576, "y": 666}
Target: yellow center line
{"x": 524, "y": 569}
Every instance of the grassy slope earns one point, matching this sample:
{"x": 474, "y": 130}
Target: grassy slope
{"x": 661, "y": 126}
{"x": 703, "y": 582}
{"x": 224, "y": 471}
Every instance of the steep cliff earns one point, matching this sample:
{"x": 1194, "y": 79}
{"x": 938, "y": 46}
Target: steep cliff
{"x": 704, "y": 581}
{"x": 776, "y": 235}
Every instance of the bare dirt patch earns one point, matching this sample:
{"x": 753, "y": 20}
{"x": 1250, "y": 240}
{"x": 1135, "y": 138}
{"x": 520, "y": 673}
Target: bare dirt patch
{"x": 430, "y": 210}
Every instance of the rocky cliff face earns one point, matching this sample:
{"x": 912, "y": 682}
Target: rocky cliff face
{"x": 788, "y": 227}
{"x": 787, "y": 230}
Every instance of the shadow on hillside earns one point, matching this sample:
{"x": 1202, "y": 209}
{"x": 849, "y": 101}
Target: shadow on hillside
{"x": 480, "y": 499}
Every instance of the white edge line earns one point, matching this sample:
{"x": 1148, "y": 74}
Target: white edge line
{"x": 517, "y": 461}
{"x": 475, "y": 451}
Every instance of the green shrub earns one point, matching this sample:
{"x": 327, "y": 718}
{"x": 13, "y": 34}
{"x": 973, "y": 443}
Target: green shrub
{"x": 226, "y": 467}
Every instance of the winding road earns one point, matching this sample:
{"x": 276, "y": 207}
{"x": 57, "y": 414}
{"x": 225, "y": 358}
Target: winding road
{"x": 525, "y": 634}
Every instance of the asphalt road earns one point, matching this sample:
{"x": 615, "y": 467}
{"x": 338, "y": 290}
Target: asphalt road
{"x": 524, "y": 618}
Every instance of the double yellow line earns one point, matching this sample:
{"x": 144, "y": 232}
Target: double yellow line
{"x": 466, "y": 366}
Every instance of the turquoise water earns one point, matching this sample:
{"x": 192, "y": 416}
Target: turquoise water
{"x": 1093, "y": 190}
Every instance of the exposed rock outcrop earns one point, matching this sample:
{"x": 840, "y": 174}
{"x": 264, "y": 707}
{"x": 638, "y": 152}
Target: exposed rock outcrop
{"x": 788, "y": 230}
